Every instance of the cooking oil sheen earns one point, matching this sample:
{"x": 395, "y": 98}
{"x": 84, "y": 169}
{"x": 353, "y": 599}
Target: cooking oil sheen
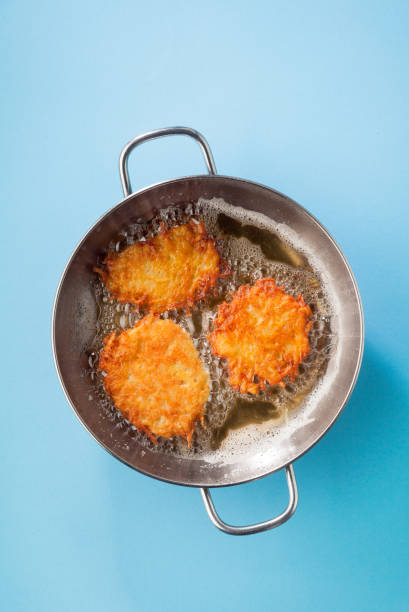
{"x": 254, "y": 247}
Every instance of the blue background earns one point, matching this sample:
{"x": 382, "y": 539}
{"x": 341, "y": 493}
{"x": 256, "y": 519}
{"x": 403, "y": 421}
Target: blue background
{"x": 310, "y": 98}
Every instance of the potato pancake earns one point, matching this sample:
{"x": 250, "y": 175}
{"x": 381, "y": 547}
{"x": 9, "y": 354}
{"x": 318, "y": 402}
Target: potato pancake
{"x": 263, "y": 335}
{"x": 155, "y": 377}
{"x": 174, "y": 269}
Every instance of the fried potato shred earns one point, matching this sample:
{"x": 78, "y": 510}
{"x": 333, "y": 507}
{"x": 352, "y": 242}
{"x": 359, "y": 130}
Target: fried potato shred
{"x": 174, "y": 269}
{"x": 263, "y": 335}
{"x": 155, "y": 378}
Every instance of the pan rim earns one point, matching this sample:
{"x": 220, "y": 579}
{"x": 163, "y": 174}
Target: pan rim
{"x": 349, "y": 390}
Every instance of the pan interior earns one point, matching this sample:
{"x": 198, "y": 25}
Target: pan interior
{"x": 253, "y": 247}
{"x": 256, "y": 449}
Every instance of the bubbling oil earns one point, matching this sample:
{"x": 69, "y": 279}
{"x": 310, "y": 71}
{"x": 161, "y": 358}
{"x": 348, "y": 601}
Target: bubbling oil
{"x": 253, "y": 249}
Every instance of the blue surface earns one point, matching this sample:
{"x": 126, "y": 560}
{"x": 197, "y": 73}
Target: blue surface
{"x": 310, "y": 98}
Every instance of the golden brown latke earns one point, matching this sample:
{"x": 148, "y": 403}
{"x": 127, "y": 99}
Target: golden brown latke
{"x": 155, "y": 377}
{"x": 174, "y": 269}
{"x": 263, "y": 334}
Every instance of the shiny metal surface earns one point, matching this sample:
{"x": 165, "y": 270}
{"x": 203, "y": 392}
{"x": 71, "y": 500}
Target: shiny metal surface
{"x": 172, "y": 131}
{"x": 75, "y": 315}
{"x": 256, "y": 527}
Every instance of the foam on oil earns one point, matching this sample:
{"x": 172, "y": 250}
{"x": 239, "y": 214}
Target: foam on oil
{"x": 254, "y": 247}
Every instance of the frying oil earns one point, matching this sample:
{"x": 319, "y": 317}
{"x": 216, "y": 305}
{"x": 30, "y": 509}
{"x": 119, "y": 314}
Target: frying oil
{"x": 253, "y": 249}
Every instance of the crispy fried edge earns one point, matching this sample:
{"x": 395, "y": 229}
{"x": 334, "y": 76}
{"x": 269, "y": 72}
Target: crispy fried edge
{"x": 104, "y": 358}
{"x": 205, "y": 286}
{"x": 225, "y": 311}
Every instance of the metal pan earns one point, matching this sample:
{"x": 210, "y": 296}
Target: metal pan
{"x": 75, "y": 315}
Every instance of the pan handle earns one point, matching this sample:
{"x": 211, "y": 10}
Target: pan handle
{"x": 184, "y": 131}
{"x": 257, "y": 527}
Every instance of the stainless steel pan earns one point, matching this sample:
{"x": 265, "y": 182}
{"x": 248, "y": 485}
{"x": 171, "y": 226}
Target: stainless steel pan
{"x": 75, "y": 314}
